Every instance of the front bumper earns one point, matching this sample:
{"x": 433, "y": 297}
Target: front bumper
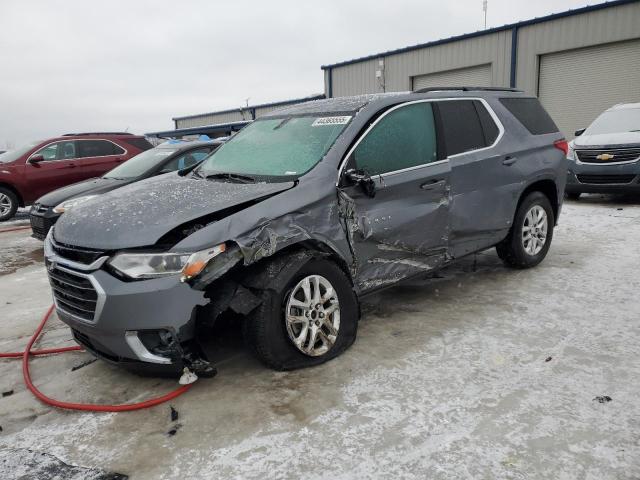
{"x": 42, "y": 218}
{"x": 597, "y": 178}
{"x": 135, "y": 324}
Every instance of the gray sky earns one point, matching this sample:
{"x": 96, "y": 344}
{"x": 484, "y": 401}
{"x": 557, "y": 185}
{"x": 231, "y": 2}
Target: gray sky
{"x": 82, "y": 65}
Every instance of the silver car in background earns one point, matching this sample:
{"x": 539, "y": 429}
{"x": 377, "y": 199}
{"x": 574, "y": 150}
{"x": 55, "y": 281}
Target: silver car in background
{"x": 605, "y": 157}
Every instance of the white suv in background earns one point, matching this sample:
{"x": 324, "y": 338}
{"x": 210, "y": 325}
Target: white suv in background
{"x": 605, "y": 157}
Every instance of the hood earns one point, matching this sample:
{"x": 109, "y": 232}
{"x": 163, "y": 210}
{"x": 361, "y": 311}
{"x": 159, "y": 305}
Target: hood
{"x": 138, "y": 215}
{"x": 608, "y": 140}
{"x": 95, "y": 186}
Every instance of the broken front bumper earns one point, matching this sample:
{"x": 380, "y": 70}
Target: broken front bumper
{"x": 132, "y": 323}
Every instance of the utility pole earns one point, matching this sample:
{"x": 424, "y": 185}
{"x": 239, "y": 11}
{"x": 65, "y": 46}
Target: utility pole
{"x": 484, "y": 9}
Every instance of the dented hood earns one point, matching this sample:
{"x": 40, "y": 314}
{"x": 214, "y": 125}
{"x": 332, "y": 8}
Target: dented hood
{"x": 138, "y": 215}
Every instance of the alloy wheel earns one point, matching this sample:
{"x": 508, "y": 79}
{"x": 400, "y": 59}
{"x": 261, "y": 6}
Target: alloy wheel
{"x": 312, "y": 315}
{"x": 534, "y": 230}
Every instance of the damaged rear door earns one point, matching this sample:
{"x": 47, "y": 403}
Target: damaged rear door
{"x": 402, "y": 229}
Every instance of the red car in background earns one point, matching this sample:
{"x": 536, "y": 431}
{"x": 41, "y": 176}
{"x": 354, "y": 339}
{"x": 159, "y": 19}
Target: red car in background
{"x": 33, "y": 170}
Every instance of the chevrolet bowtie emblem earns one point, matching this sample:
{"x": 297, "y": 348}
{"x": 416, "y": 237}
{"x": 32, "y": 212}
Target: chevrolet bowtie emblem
{"x": 605, "y": 156}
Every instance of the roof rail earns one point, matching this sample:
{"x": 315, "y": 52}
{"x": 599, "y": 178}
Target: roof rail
{"x": 468, "y": 89}
{"x": 95, "y": 133}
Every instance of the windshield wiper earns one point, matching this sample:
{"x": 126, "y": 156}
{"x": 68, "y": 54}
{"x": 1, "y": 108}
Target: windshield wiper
{"x": 234, "y": 177}
{"x": 195, "y": 173}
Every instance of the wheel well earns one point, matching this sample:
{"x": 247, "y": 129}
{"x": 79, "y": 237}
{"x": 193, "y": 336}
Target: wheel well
{"x": 320, "y": 247}
{"x": 547, "y": 187}
{"x": 12, "y": 188}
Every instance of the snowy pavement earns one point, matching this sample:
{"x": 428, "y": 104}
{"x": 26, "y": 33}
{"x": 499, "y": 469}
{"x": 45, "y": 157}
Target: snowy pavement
{"x": 484, "y": 372}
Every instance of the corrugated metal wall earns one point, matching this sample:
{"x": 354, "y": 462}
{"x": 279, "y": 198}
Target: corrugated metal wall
{"x": 493, "y": 49}
{"x": 612, "y": 24}
{"x": 587, "y": 29}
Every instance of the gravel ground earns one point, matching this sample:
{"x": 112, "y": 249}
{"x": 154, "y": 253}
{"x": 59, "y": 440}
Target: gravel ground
{"x": 483, "y": 372}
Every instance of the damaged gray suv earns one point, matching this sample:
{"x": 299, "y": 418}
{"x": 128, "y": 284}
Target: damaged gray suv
{"x": 304, "y": 211}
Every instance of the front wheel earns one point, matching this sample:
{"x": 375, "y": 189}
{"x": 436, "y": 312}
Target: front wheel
{"x": 308, "y": 315}
{"x": 531, "y": 233}
{"x": 8, "y": 204}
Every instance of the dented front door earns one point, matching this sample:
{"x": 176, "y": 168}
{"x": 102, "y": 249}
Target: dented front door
{"x": 402, "y": 230}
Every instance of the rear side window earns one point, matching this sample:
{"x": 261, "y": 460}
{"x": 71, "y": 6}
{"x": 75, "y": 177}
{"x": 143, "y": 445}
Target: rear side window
{"x": 97, "y": 148}
{"x": 141, "y": 143}
{"x": 462, "y": 130}
{"x": 406, "y": 137}
{"x": 531, "y": 114}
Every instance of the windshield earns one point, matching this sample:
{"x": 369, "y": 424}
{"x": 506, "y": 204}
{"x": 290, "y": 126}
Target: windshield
{"x": 276, "y": 147}
{"x": 141, "y": 163}
{"x": 12, "y": 155}
{"x": 616, "y": 121}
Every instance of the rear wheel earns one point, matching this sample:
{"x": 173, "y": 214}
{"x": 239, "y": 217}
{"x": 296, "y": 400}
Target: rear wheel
{"x": 531, "y": 233}
{"x": 308, "y": 315}
{"x": 8, "y": 204}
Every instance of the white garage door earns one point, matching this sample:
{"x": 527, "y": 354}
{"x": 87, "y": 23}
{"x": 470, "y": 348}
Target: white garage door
{"x": 577, "y": 85}
{"x": 478, "y": 76}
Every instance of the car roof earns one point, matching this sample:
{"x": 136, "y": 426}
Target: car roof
{"x": 624, "y": 106}
{"x": 337, "y": 105}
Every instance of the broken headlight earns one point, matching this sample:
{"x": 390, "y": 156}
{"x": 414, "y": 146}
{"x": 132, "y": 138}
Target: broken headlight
{"x": 153, "y": 265}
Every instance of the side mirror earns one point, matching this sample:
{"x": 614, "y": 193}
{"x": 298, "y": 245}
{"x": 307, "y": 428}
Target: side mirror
{"x": 36, "y": 159}
{"x": 361, "y": 178}
{"x": 579, "y": 132}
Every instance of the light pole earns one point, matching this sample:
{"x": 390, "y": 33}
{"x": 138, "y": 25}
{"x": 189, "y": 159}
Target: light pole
{"x": 484, "y": 9}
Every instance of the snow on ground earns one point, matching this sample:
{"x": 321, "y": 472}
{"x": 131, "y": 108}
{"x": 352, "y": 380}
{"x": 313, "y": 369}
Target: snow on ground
{"x": 484, "y": 372}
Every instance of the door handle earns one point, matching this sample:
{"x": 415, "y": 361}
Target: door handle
{"x": 71, "y": 165}
{"x": 508, "y": 161}
{"x": 431, "y": 184}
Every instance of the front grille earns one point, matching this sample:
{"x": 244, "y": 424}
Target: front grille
{"x": 41, "y": 225}
{"x": 76, "y": 254}
{"x": 618, "y": 155}
{"x": 73, "y": 294}
{"x": 606, "y": 179}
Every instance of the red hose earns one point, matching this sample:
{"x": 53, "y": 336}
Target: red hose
{"x": 78, "y": 406}
{"x": 15, "y": 229}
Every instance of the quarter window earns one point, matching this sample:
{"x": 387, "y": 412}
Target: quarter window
{"x": 98, "y": 148}
{"x": 406, "y": 137}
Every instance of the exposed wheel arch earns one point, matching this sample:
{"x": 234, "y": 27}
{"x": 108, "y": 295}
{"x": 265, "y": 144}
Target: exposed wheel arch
{"x": 549, "y": 188}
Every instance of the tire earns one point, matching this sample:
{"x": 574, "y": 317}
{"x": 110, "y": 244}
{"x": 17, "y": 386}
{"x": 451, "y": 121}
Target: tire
{"x": 8, "y": 204}
{"x": 512, "y": 249}
{"x": 269, "y": 335}
{"x": 573, "y": 195}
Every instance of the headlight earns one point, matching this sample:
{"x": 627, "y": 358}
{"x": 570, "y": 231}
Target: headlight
{"x": 64, "y": 206}
{"x": 153, "y": 265}
{"x": 571, "y": 152}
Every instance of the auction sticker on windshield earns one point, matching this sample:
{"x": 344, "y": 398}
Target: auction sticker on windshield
{"x": 331, "y": 121}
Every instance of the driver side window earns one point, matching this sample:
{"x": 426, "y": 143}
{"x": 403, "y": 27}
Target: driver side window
{"x": 406, "y": 137}
{"x": 186, "y": 160}
{"x": 58, "y": 151}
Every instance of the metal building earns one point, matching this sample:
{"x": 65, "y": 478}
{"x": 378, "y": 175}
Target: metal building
{"x": 224, "y": 122}
{"x": 578, "y": 62}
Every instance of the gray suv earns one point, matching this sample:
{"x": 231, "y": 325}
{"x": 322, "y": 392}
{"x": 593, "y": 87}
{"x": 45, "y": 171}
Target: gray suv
{"x": 289, "y": 223}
